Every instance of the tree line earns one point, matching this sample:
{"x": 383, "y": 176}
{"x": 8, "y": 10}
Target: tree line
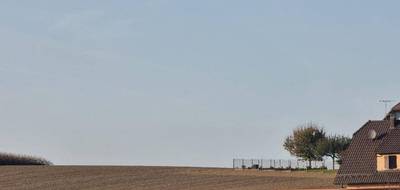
{"x": 310, "y": 142}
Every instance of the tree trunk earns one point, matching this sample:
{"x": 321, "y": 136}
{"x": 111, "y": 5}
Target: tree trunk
{"x": 309, "y": 164}
{"x": 333, "y": 163}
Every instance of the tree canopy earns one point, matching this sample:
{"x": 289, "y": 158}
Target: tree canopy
{"x": 304, "y": 142}
{"x": 333, "y": 146}
{"x": 309, "y": 142}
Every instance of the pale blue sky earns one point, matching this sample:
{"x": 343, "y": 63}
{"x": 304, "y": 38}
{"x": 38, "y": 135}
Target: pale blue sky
{"x": 195, "y": 83}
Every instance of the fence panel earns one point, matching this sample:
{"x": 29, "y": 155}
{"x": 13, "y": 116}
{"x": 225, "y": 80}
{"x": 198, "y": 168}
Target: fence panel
{"x": 275, "y": 164}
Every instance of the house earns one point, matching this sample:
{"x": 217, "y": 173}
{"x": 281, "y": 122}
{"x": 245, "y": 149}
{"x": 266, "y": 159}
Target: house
{"x": 372, "y": 160}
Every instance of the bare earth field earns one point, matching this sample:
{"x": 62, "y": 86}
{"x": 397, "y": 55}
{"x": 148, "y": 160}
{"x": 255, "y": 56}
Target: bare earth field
{"x": 155, "y": 178}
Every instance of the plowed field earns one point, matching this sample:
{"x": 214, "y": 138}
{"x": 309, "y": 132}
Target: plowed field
{"x": 155, "y": 178}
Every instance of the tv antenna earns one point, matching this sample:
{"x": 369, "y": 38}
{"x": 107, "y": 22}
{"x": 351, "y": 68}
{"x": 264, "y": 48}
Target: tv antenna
{"x": 386, "y": 102}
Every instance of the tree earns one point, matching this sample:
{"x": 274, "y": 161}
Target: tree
{"x": 304, "y": 142}
{"x": 333, "y": 146}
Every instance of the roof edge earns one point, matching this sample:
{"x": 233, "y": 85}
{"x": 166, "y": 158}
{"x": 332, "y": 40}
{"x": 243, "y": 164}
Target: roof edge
{"x": 368, "y": 122}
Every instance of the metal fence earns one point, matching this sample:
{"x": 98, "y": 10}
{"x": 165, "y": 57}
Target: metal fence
{"x": 275, "y": 164}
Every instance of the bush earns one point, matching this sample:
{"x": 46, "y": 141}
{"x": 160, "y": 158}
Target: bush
{"x": 15, "y": 159}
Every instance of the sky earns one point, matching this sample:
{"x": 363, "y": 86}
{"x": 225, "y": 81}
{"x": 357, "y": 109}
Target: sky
{"x": 189, "y": 83}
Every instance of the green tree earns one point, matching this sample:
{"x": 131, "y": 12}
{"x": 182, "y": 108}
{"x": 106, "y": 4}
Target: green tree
{"x": 333, "y": 147}
{"x": 304, "y": 142}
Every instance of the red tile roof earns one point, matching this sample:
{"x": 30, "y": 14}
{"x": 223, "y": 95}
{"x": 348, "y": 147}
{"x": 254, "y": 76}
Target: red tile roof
{"x": 396, "y": 108}
{"x": 359, "y": 160}
{"x": 391, "y": 143}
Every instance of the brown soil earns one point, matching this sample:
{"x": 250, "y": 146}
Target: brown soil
{"x": 155, "y": 178}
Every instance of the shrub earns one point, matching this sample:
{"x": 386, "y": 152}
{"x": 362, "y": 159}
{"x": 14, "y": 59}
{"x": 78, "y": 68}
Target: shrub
{"x": 16, "y": 159}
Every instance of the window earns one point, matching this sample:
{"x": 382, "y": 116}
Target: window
{"x": 392, "y": 162}
{"x": 387, "y": 162}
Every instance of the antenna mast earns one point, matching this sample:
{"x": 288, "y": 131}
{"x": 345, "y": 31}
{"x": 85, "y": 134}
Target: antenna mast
{"x": 386, "y": 102}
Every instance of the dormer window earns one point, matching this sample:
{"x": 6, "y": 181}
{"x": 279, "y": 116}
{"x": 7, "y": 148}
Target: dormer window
{"x": 396, "y": 118}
